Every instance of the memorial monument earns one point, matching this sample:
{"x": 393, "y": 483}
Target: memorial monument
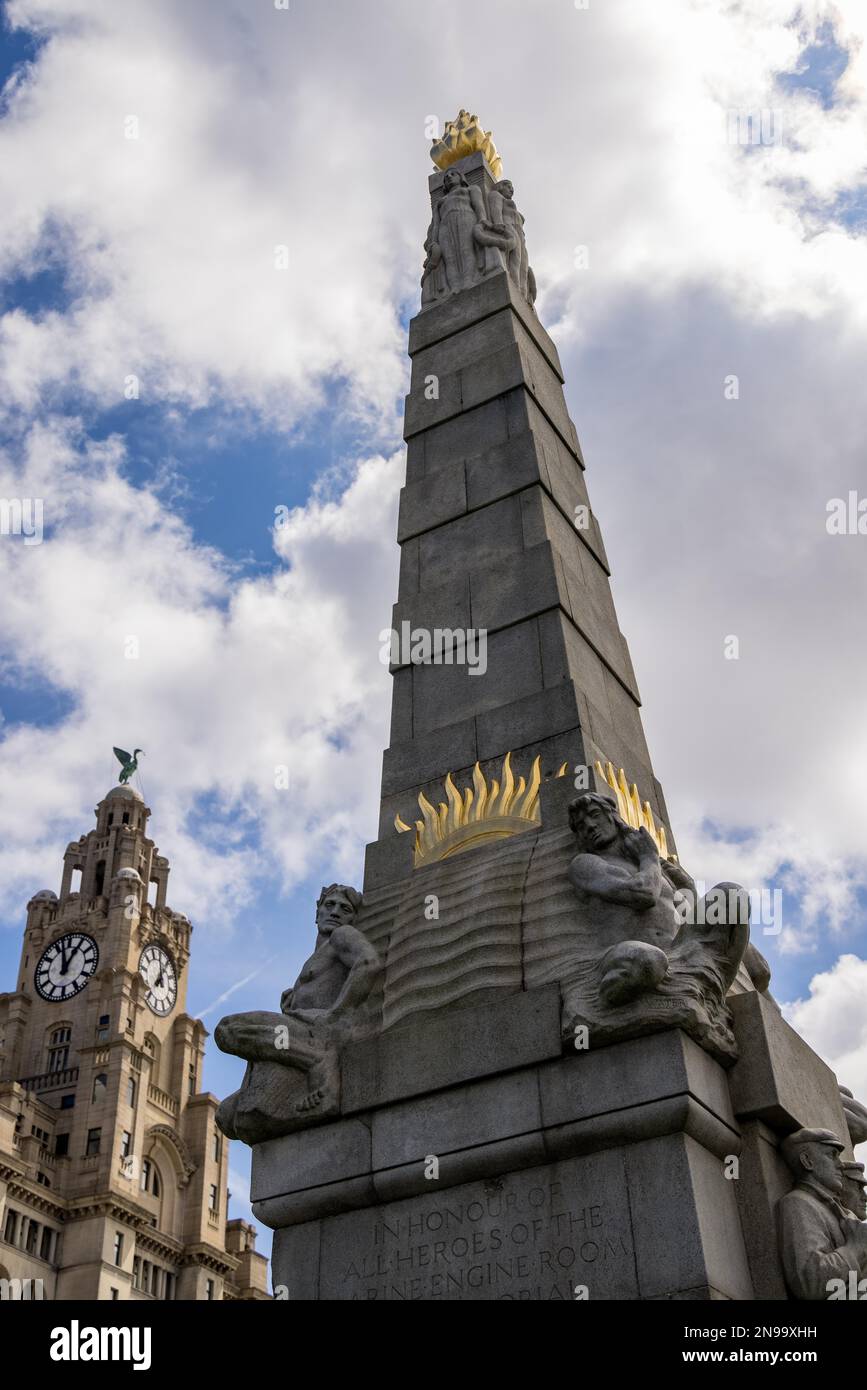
{"x": 531, "y": 1061}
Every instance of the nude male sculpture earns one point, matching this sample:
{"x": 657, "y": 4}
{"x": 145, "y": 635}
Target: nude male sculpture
{"x": 323, "y": 1009}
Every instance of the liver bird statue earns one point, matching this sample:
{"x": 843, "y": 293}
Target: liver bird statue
{"x": 128, "y": 761}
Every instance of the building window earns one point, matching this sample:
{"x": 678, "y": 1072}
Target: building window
{"x": 125, "y": 1144}
{"x": 46, "y": 1245}
{"x": 217, "y": 1148}
{"x": 150, "y": 1178}
{"x": 10, "y": 1230}
{"x": 213, "y": 1200}
{"x": 99, "y": 879}
{"x": 136, "y": 1272}
{"x": 118, "y": 1247}
{"x": 93, "y": 1140}
{"x": 209, "y": 1290}
{"x": 40, "y": 1134}
{"x": 114, "y": 1295}
{"x": 100, "y": 1084}
{"x": 102, "y": 1034}
{"x": 67, "y": 1102}
{"x": 43, "y": 1180}
{"x": 32, "y": 1237}
{"x": 60, "y": 1035}
{"x": 126, "y": 817}
{"x": 61, "y": 1145}
{"x": 58, "y": 1058}
{"x": 104, "y": 1019}
{"x": 130, "y": 1091}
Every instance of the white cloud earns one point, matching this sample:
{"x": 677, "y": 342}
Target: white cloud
{"x": 233, "y": 677}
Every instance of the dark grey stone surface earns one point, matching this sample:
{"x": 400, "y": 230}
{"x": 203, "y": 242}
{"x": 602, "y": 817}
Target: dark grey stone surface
{"x": 601, "y": 1170}
{"x": 445, "y": 1048}
{"x": 780, "y": 1079}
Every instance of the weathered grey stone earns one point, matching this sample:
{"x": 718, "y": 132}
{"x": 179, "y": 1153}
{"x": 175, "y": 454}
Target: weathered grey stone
{"x": 422, "y": 758}
{"x": 762, "y": 1180}
{"x": 295, "y": 1262}
{"x": 515, "y": 589}
{"x": 443, "y": 1049}
{"x": 431, "y": 501}
{"x": 465, "y": 350}
{"x": 454, "y": 1119}
{"x": 488, "y": 297}
{"x": 779, "y": 1079}
{"x": 503, "y": 470}
{"x": 444, "y": 608}
{"x": 528, "y": 720}
{"x": 632, "y": 1074}
{"x": 471, "y": 542}
{"x": 461, "y": 691}
{"x": 387, "y": 860}
{"x": 311, "y": 1158}
{"x": 684, "y": 1220}
{"x": 473, "y": 432}
{"x": 531, "y": 1235}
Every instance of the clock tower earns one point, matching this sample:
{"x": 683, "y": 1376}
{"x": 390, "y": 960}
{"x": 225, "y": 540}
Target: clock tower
{"x": 112, "y": 1170}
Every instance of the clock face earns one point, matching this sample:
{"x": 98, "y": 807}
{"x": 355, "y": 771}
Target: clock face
{"x": 65, "y": 967}
{"x": 157, "y": 969}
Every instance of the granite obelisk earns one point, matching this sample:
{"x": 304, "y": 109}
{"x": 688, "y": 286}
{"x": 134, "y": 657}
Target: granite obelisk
{"x": 531, "y": 1061}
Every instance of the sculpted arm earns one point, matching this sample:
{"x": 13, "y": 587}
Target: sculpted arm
{"x": 639, "y": 888}
{"x": 361, "y": 960}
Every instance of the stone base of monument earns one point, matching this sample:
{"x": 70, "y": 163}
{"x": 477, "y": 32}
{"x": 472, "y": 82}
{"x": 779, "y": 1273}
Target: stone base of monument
{"x": 473, "y": 1160}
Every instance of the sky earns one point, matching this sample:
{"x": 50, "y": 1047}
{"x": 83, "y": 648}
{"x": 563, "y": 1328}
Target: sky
{"x": 211, "y": 233}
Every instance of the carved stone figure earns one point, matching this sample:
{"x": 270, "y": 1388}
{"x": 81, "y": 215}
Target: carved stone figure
{"x": 433, "y": 284}
{"x": 455, "y": 218}
{"x": 667, "y": 957}
{"x": 820, "y": 1241}
{"x": 504, "y": 228}
{"x": 293, "y": 1068}
{"x": 855, "y": 1190}
{"x": 856, "y": 1116}
{"x": 474, "y": 232}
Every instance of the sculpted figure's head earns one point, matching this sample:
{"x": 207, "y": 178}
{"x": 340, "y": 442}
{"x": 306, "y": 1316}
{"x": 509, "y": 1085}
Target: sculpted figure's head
{"x": 506, "y": 187}
{"x": 336, "y": 907}
{"x": 855, "y": 1189}
{"x": 453, "y": 178}
{"x": 815, "y": 1154}
{"x": 628, "y": 969}
{"x": 595, "y": 822}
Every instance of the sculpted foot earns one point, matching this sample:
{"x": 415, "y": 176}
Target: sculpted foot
{"x": 310, "y": 1101}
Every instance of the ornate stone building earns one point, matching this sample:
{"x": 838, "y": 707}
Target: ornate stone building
{"x": 112, "y": 1170}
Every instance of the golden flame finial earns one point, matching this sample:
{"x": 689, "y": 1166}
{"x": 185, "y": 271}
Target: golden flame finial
{"x": 462, "y": 137}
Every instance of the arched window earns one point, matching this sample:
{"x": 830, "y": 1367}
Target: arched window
{"x": 100, "y": 1085}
